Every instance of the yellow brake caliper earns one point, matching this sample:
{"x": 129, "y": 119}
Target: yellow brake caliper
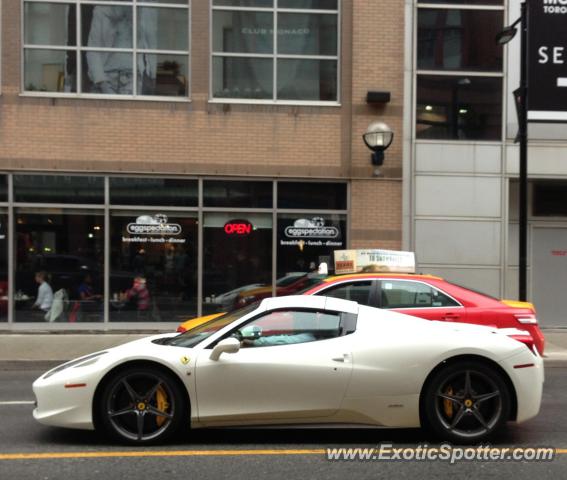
{"x": 448, "y": 404}
{"x": 162, "y": 405}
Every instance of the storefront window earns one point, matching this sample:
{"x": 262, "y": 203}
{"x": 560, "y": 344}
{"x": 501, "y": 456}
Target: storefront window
{"x": 59, "y": 189}
{"x": 163, "y": 192}
{"x": 237, "y": 194}
{"x": 153, "y": 266}
{"x": 3, "y": 188}
{"x": 237, "y": 260}
{"x": 123, "y": 49}
{"x": 305, "y": 241}
{"x": 3, "y": 265}
{"x": 59, "y": 265}
{"x": 306, "y": 57}
{"x": 312, "y": 195}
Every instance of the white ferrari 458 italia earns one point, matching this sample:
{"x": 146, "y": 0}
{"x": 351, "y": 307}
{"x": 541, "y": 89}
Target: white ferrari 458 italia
{"x": 300, "y": 360}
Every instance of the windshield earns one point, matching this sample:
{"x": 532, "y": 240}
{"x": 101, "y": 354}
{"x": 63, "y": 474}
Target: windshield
{"x": 196, "y": 335}
{"x": 313, "y": 282}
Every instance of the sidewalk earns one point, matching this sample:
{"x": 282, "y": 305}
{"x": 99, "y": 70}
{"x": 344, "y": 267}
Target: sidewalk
{"x": 63, "y": 346}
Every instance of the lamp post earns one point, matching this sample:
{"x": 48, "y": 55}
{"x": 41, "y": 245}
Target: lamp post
{"x": 520, "y": 97}
{"x": 378, "y": 137}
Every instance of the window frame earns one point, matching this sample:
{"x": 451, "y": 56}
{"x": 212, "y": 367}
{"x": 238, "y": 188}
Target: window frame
{"x": 80, "y": 49}
{"x": 452, "y": 5}
{"x": 373, "y": 295}
{"x": 347, "y": 325}
{"x": 274, "y": 56}
{"x": 432, "y": 287}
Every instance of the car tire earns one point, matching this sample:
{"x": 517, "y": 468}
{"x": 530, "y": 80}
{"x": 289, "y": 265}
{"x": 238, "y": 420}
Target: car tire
{"x": 131, "y": 402}
{"x": 466, "y": 402}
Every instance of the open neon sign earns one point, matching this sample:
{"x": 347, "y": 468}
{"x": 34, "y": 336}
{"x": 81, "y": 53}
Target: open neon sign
{"x": 238, "y": 227}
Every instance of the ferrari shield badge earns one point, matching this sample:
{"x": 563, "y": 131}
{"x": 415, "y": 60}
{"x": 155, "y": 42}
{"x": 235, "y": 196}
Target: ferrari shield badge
{"x": 185, "y": 360}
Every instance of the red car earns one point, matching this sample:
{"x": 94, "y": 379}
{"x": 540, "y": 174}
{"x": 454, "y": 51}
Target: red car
{"x": 433, "y": 298}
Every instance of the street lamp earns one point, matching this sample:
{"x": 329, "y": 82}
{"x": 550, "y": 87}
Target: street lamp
{"x": 378, "y": 138}
{"x": 521, "y": 96}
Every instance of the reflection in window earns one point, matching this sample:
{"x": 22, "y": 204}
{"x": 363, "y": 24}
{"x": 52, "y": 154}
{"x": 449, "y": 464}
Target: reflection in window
{"x": 404, "y": 294}
{"x": 459, "y": 40}
{"x": 242, "y": 194}
{"x": 153, "y": 270}
{"x": 59, "y": 265}
{"x": 305, "y": 36}
{"x": 58, "y": 189}
{"x": 237, "y": 260}
{"x": 459, "y": 108}
{"x": 312, "y": 195}
{"x": 172, "y": 192}
{"x": 157, "y": 66}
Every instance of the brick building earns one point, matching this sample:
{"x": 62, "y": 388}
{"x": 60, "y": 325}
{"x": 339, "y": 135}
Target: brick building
{"x": 176, "y": 141}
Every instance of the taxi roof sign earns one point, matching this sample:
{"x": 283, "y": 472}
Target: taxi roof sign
{"x": 374, "y": 260}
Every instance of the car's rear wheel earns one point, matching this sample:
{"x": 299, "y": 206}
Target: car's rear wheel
{"x": 142, "y": 406}
{"x": 466, "y": 402}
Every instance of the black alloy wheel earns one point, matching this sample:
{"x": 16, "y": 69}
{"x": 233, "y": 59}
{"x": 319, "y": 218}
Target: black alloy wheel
{"x": 142, "y": 406}
{"x": 466, "y": 402}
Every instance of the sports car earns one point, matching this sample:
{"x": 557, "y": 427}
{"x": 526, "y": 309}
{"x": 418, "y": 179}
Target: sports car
{"x": 300, "y": 360}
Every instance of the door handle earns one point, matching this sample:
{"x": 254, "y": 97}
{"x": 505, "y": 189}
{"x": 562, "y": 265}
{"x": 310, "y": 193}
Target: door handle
{"x": 451, "y": 316}
{"x": 343, "y": 359}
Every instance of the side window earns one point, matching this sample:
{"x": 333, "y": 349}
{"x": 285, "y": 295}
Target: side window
{"x": 356, "y": 291}
{"x": 285, "y": 327}
{"x": 404, "y": 294}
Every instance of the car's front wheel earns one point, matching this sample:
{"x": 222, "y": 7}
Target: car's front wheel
{"x": 142, "y": 405}
{"x": 465, "y": 402}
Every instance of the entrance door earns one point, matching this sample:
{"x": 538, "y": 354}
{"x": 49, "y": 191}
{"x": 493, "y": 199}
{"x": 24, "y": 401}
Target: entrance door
{"x": 549, "y": 275}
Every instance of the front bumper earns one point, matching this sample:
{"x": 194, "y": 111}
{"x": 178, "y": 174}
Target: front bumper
{"x": 61, "y": 404}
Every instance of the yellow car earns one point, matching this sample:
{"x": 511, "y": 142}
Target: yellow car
{"x": 195, "y": 322}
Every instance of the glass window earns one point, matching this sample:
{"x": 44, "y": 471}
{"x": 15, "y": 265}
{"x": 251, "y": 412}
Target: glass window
{"x": 407, "y": 294}
{"x": 459, "y": 107}
{"x": 153, "y": 191}
{"x": 237, "y": 260}
{"x": 459, "y": 39}
{"x": 58, "y": 189}
{"x": 550, "y": 199}
{"x": 3, "y": 188}
{"x": 306, "y": 240}
{"x": 306, "y": 35}
{"x": 309, "y": 4}
{"x": 221, "y": 193}
{"x": 153, "y": 266}
{"x": 312, "y": 195}
{"x": 3, "y": 265}
{"x": 359, "y": 292}
{"x": 286, "y": 327}
{"x": 59, "y": 265}
{"x": 244, "y": 3}
{"x": 112, "y": 63}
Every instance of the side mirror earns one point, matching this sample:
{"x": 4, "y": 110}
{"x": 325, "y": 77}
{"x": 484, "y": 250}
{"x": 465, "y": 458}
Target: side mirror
{"x": 228, "y": 345}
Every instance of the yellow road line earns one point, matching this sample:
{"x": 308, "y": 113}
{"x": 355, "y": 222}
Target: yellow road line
{"x": 193, "y": 453}
{"x": 156, "y": 453}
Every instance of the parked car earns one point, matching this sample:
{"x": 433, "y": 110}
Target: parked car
{"x": 317, "y": 360}
{"x": 429, "y": 297}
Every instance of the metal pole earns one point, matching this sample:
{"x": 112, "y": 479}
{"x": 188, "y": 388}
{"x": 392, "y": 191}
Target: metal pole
{"x": 523, "y": 140}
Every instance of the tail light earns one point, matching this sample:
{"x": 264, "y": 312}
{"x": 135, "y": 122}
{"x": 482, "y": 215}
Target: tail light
{"x": 181, "y": 329}
{"x": 526, "y": 339}
{"x": 526, "y": 318}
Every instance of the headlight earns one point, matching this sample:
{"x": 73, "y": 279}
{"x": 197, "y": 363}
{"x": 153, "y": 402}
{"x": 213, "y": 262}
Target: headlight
{"x": 79, "y": 362}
